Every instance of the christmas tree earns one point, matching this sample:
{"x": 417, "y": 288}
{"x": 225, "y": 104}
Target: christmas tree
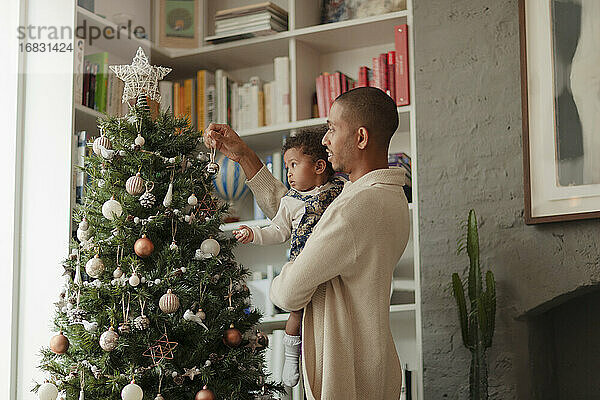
{"x": 155, "y": 305}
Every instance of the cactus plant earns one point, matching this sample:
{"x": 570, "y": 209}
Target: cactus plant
{"x": 477, "y": 320}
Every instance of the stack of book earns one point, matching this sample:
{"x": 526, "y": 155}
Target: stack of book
{"x": 248, "y": 21}
{"x": 217, "y": 97}
{"x": 389, "y": 72}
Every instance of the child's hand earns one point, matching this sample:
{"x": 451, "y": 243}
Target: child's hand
{"x": 244, "y": 234}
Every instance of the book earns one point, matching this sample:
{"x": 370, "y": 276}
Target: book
{"x": 268, "y": 101}
{"x": 165, "y": 89}
{"x": 101, "y": 80}
{"x": 251, "y": 9}
{"x": 401, "y": 73}
{"x": 246, "y": 32}
{"x": 177, "y": 107}
{"x": 189, "y": 100}
{"x": 282, "y": 90}
{"x": 248, "y": 20}
{"x": 391, "y": 74}
{"x": 78, "y": 71}
{"x": 321, "y": 96}
{"x": 363, "y": 76}
{"x": 204, "y": 79}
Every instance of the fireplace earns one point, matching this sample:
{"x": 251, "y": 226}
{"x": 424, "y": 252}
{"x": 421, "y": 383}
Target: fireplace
{"x": 564, "y": 347}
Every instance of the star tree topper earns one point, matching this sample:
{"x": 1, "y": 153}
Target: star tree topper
{"x": 140, "y": 77}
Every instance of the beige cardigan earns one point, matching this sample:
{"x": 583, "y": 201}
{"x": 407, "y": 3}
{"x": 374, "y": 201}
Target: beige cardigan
{"x": 342, "y": 279}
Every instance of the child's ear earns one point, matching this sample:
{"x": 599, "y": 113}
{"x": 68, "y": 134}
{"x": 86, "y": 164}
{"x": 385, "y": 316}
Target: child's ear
{"x": 320, "y": 166}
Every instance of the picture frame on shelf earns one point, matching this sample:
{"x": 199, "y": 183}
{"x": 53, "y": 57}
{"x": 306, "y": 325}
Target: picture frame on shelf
{"x": 180, "y": 23}
{"x": 561, "y": 157}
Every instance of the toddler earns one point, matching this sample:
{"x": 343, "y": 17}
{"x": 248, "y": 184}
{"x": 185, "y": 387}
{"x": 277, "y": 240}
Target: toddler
{"x": 313, "y": 188}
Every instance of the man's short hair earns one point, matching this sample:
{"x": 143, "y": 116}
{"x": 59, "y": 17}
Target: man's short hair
{"x": 309, "y": 142}
{"x": 371, "y": 108}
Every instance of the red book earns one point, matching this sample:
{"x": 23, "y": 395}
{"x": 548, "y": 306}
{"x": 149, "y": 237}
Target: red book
{"x": 344, "y": 83}
{"x": 391, "y": 74}
{"x": 383, "y": 72}
{"x": 332, "y": 94}
{"x": 326, "y": 91}
{"x": 363, "y": 76}
{"x": 401, "y": 76}
{"x": 321, "y": 97}
{"x": 376, "y": 81}
{"x": 337, "y": 83}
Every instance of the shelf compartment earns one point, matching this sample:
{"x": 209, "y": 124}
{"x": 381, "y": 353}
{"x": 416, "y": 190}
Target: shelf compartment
{"x": 86, "y": 119}
{"x": 352, "y": 34}
{"x": 123, "y": 48}
{"x": 263, "y": 138}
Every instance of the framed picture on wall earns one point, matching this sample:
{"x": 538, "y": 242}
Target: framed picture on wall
{"x": 560, "y": 87}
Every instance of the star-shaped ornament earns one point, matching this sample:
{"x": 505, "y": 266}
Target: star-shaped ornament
{"x": 161, "y": 350}
{"x": 191, "y": 372}
{"x": 140, "y": 77}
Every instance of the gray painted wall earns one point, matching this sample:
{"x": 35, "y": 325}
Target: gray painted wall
{"x": 470, "y": 156}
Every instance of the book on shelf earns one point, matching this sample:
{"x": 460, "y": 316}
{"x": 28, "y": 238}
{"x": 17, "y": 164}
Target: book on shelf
{"x": 217, "y": 97}
{"x": 78, "y": 71}
{"x": 204, "y": 80}
{"x": 248, "y": 21}
{"x": 401, "y": 67}
{"x": 328, "y": 87}
{"x": 100, "y": 81}
{"x": 165, "y": 88}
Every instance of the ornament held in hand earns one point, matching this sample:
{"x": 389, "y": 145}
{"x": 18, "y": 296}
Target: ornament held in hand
{"x": 143, "y": 247}
{"x": 59, "y": 344}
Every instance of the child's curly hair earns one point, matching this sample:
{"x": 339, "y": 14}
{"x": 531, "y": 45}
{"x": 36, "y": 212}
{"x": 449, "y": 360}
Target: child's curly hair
{"x": 309, "y": 142}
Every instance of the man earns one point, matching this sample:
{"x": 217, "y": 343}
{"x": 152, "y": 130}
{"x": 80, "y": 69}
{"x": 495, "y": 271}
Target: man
{"x": 343, "y": 276}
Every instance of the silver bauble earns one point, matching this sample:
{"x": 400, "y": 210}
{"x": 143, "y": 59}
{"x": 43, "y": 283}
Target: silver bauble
{"x": 108, "y": 340}
{"x": 210, "y": 246}
{"x": 112, "y": 209}
{"x": 94, "y": 267}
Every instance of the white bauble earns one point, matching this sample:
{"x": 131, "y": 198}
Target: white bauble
{"x": 192, "y": 200}
{"x": 112, "y": 209}
{"x": 108, "y": 340}
{"x": 134, "y": 280}
{"x": 136, "y": 220}
{"x": 210, "y": 246}
{"x": 83, "y": 235}
{"x": 101, "y": 183}
{"x": 48, "y": 391}
{"x": 169, "y": 302}
{"x": 101, "y": 141}
{"x": 135, "y": 185}
{"x": 139, "y": 140}
{"x": 117, "y": 273}
{"x": 84, "y": 224}
{"x": 94, "y": 267}
{"x": 132, "y": 392}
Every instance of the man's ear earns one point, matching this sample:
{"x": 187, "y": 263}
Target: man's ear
{"x": 320, "y": 166}
{"x": 362, "y": 138}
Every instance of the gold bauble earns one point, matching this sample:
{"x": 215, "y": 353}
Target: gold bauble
{"x": 59, "y": 344}
{"x": 143, "y": 247}
{"x": 232, "y": 337}
{"x": 205, "y": 394}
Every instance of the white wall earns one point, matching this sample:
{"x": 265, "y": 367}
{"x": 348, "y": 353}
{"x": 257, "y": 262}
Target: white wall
{"x": 44, "y": 190}
{"x": 9, "y": 19}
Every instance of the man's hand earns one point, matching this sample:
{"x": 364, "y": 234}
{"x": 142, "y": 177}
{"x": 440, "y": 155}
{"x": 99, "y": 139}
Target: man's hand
{"x": 244, "y": 235}
{"x": 226, "y": 140}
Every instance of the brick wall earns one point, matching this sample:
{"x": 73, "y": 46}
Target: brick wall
{"x": 470, "y": 156}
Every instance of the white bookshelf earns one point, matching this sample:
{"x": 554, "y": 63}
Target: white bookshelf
{"x": 312, "y": 49}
